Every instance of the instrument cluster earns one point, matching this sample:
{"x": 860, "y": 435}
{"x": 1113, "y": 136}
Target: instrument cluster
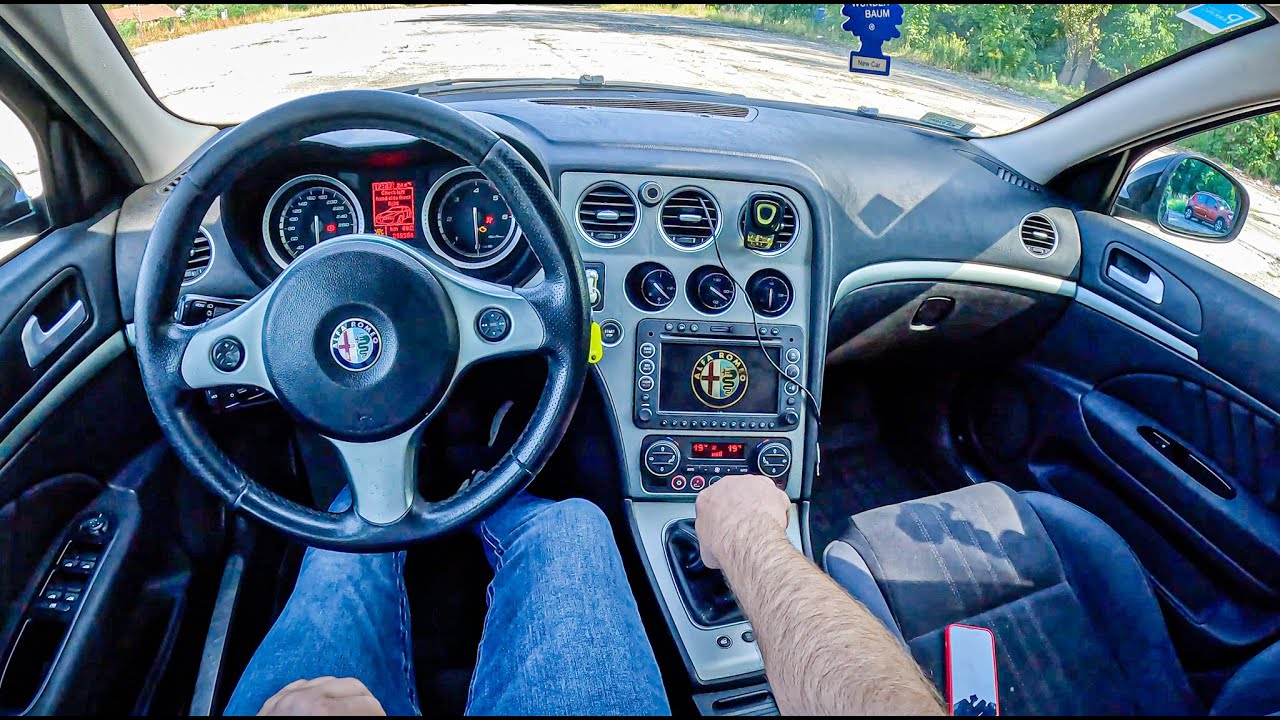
{"x": 415, "y": 194}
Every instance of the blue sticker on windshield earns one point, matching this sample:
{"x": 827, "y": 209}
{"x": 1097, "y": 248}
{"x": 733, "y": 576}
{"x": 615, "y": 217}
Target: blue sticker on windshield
{"x": 873, "y": 25}
{"x": 1219, "y": 18}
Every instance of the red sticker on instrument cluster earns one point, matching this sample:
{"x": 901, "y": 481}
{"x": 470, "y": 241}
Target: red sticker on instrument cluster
{"x": 393, "y": 209}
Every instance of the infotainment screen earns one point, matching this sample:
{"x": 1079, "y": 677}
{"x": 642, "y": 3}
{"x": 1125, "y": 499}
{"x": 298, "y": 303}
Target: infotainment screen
{"x": 718, "y": 377}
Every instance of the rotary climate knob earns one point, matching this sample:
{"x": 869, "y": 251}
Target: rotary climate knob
{"x": 772, "y": 459}
{"x": 662, "y": 458}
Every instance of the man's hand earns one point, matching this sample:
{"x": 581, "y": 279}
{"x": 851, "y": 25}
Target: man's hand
{"x": 735, "y": 510}
{"x": 323, "y": 696}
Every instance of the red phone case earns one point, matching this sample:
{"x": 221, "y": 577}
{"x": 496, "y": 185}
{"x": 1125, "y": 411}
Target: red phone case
{"x": 995, "y": 669}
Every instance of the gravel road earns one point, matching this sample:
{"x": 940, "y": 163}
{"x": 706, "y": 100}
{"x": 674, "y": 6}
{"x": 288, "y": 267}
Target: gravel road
{"x": 227, "y": 75}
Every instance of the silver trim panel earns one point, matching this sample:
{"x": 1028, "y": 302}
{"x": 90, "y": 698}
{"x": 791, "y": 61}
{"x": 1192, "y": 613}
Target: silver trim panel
{"x": 1094, "y": 301}
{"x": 953, "y": 271}
{"x": 79, "y": 376}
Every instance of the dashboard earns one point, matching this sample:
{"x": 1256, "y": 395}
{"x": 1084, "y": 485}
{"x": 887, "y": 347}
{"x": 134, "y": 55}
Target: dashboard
{"x": 732, "y": 249}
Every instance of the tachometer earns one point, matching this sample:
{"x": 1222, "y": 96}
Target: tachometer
{"x": 305, "y": 212}
{"x": 466, "y": 220}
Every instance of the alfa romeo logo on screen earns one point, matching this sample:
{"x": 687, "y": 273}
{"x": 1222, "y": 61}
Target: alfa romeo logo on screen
{"x": 719, "y": 379}
{"x": 356, "y": 344}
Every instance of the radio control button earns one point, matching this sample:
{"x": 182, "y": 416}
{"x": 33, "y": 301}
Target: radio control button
{"x": 648, "y": 350}
{"x": 793, "y": 355}
{"x": 693, "y": 328}
{"x": 681, "y": 327}
{"x": 662, "y": 458}
{"x": 646, "y": 367}
{"x": 697, "y": 483}
{"x": 669, "y": 327}
{"x": 790, "y": 417}
{"x": 678, "y": 483}
{"x": 792, "y": 388}
{"x": 645, "y": 414}
{"x": 645, "y": 383}
{"x": 793, "y": 371}
{"x": 773, "y": 332}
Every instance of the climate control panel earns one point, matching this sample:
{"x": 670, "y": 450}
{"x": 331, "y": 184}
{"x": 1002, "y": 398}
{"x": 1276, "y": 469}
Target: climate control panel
{"x": 679, "y": 464}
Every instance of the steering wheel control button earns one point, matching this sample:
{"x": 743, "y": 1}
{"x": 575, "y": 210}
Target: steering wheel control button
{"x": 610, "y": 333}
{"x": 494, "y": 324}
{"x": 648, "y": 350}
{"x": 227, "y": 354}
{"x": 355, "y": 344}
{"x": 662, "y": 458}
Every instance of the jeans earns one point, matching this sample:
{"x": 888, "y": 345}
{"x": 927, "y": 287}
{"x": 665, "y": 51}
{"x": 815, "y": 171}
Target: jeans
{"x": 562, "y": 635}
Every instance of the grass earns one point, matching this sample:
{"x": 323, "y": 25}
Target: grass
{"x": 202, "y": 18}
{"x": 944, "y": 53}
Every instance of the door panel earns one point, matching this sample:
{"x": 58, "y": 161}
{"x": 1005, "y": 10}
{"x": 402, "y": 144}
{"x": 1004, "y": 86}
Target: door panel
{"x": 1152, "y": 403}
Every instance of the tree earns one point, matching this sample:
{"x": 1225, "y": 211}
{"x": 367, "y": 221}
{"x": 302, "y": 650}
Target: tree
{"x": 1080, "y": 27}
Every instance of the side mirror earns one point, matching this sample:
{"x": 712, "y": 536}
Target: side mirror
{"x": 1186, "y": 195}
{"x": 14, "y": 203}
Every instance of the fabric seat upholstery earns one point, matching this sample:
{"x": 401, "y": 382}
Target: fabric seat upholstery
{"x": 1078, "y": 629}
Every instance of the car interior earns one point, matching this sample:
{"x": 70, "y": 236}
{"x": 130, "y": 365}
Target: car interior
{"x": 993, "y": 392}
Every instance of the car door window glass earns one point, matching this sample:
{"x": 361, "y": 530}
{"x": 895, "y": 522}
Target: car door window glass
{"x": 21, "y": 217}
{"x": 1196, "y": 207}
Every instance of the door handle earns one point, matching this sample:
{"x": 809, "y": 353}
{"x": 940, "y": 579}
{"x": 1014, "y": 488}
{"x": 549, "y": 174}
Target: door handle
{"x": 39, "y": 344}
{"x": 1150, "y": 289}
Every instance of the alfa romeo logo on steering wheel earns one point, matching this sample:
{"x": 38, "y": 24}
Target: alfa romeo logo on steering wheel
{"x": 356, "y": 344}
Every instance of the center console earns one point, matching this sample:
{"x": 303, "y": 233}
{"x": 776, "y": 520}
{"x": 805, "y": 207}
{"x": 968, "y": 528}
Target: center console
{"x": 702, "y": 289}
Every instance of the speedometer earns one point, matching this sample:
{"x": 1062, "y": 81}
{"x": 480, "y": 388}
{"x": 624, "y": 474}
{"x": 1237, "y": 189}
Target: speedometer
{"x": 305, "y": 212}
{"x": 466, "y": 220}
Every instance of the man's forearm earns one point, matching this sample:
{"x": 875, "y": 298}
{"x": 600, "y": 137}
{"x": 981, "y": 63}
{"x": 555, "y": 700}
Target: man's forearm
{"x": 824, "y": 653}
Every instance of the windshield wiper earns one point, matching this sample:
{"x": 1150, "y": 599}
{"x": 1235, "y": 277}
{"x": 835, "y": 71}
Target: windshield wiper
{"x": 586, "y": 82}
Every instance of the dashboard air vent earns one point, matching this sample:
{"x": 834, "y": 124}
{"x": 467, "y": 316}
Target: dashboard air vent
{"x": 199, "y": 259}
{"x": 1039, "y": 236}
{"x": 690, "y": 218}
{"x": 679, "y": 106}
{"x": 168, "y": 187}
{"x": 786, "y": 233}
{"x": 607, "y": 214}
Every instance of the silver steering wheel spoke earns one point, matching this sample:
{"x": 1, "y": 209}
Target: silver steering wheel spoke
{"x": 493, "y": 320}
{"x": 210, "y": 358}
{"x": 382, "y": 475}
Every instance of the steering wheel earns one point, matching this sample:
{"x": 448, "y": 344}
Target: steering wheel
{"x": 362, "y": 337}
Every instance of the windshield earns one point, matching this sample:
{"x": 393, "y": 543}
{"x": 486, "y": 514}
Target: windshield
{"x": 970, "y": 69}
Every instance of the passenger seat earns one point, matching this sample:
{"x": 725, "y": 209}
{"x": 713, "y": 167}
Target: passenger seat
{"x": 1078, "y": 630}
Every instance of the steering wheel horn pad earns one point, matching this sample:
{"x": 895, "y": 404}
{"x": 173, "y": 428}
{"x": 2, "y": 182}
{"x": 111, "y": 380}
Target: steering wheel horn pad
{"x": 350, "y": 291}
{"x": 362, "y": 337}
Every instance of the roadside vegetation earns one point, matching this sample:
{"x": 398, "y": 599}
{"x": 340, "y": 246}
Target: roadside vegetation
{"x": 201, "y": 18}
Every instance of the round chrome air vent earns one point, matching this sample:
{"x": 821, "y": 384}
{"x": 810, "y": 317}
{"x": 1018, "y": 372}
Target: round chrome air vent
{"x": 1039, "y": 235}
{"x": 690, "y": 219}
{"x": 200, "y": 259}
{"x": 608, "y": 214}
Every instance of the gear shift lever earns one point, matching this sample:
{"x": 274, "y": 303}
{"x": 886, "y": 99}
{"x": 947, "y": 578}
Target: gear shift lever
{"x": 705, "y": 592}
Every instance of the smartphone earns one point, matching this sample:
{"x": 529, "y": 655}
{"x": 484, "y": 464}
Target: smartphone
{"x": 972, "y": 687}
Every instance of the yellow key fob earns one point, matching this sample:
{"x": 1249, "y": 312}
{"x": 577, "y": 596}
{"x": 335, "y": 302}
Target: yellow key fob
{"x": 596, "y": 350}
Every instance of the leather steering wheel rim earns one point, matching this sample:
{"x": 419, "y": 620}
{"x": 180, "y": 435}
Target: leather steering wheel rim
{"x": 166, "y": 351}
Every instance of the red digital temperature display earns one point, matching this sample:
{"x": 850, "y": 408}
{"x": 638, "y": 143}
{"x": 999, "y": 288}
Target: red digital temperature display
{"x": 393, "y": 209}
{"x": 718, "y": 451}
